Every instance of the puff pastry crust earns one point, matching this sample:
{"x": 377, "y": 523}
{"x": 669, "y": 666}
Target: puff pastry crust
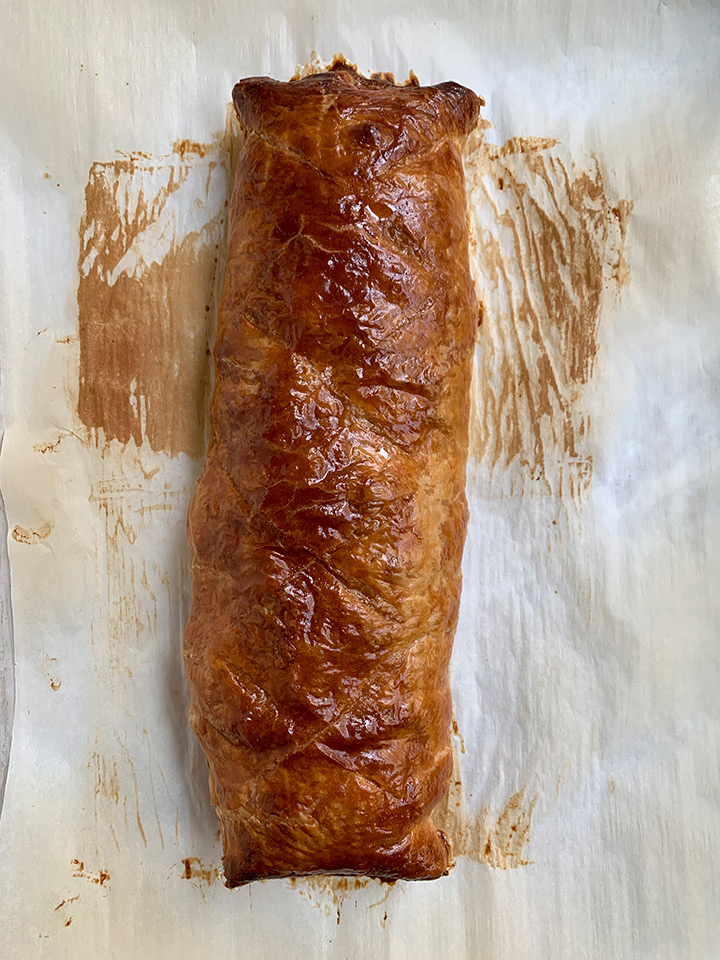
{"x": 327, "y": 528}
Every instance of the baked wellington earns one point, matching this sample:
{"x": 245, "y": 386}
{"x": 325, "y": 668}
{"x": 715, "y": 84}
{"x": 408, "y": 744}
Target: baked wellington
{"x": 327, "y": 528}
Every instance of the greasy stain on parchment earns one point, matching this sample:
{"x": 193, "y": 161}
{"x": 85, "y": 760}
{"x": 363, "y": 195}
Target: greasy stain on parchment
{"x": 51, "y": 672}
{"x": 149, "y": 266}
{"x": 497, "y": 838}
{"x": 150, "y": 269}
{"x": 547, "y": 253}
{"x": 330, "y": 893}
{"x": 126, "y": 785}
{"x": 30, "y": 536}
{"x": 100, "y": 878}
{"x": 143, "y": 599}
{"x": 195, "y": 869}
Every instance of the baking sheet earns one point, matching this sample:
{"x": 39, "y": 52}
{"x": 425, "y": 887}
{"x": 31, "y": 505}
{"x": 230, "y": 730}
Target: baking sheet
{"x": 584, "y": 810}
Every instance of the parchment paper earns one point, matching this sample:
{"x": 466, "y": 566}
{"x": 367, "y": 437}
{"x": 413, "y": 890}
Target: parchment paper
{"x": 584, "y": 810}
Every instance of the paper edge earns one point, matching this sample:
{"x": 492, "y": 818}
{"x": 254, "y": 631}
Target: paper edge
{"x": 7, "y": 646}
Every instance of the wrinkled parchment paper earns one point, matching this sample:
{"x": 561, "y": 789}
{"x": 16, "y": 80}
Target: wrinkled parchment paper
{"x": 584, "y": 806}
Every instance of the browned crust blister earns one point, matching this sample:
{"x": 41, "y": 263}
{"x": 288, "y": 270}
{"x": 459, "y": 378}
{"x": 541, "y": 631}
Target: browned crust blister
{"x": 327, "y": 528}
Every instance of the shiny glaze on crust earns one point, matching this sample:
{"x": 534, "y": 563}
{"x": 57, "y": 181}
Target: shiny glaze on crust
{"x": 328, "y": 525}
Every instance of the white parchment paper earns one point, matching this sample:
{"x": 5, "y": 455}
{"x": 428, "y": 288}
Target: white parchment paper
{"x": 585, "y": 674}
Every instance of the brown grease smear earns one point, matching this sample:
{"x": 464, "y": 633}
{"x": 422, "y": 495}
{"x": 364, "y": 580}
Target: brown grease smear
{"x": 195, "y": 870}
{"x": 547, "y": 249}
{"x": 106, "y": 777}
{"x": 127, "y": 510}
{"x": 48, "y": 447}
{"x": 78, "y": 868}
{"x": 329, "y": 893}
{"x": 456, "y": 732}
{"x": 499, "y": 840}
{"x": 184, "y": 148}
{"x": 328, "y": 889}
{"x": 55, "y": 681}
{"x": 65, "y": 902}
{"x": 129, "y": 498}
{"x": 52, "y": 445}
{"x": 147, "y": 294}
{"x": 25, "y": 535}
{"x": 117, "y": 792}
{"x": 151, "y": 262}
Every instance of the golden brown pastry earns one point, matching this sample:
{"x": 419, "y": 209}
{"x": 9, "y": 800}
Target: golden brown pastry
{"x": 328, "y": 525}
